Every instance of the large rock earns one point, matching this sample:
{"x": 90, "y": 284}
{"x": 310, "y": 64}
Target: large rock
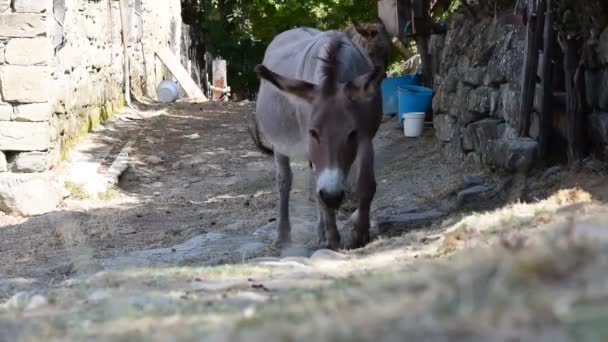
{"x": 33, "y": 6}
{"x": 24, "y": 136}
{"x": 3, "y": 162}
{"x": 602, "y": 48}
{"x": 445, "y": 127}
{"x": 474, "y": 77}
{"x": 37, "y": 161}
{"x": 6, "y": 111}
{"x": 25, "y": 84}
{"x": 5, "y": 6}
{"x": 22, "y": 25}
{"x": 482, "y": 132}
{"x": 599, "y": 127}
{"x": 33, "y": 112}
{"x": 28, "y": 194}
{"x": 29, "y": 51}
{"x": 480, "y": 101}
{"x": 514, "y": 155}
{"x": 509, "y": 100}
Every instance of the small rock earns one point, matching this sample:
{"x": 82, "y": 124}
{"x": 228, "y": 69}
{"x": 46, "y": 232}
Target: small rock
{"x": 192, "y": 136}
{"x": 296, "y": 251}
{"x": 156, "y": 193}
{"x": 594, "y": 165}
{"x": 18, "y": 301}
{"x": 471, "y": 195}
{"x": 35, "y": 302}
{"x": 251, "y": 248}
{"x": 153, "y": 159}
{"x": 178, "y": 165}
{"x": 411, "y": 219}
{"x": 473, "y": 180}
{"x": 551, "y": 171}
{"x": 326, "y": 254}
{"x": 99, "y": 295}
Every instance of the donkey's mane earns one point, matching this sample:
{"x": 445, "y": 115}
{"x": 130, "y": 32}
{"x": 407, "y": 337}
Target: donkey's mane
{"x": 329, "y": 69}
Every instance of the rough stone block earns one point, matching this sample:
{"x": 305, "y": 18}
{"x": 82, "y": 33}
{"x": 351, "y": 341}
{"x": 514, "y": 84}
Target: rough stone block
{"x": 475, "y": 76}
{"x": 483, "y": 132}
{"x": 33, "y": 112}
{"x": 28, "y": 194}
{"x": 480, "y": 100}
{"x": 599, "y": 127}
{"x": 29, "y": 51}
{"x": 473, "y": 160}
{"x": 514, "y": 155}
{"x": 24, "y": 136}
{"x": 3, "y": 162}
{"x": 468, "y": 138}
{"x": 6, "y": 111}
{"x": 5, "y": 6}
{"x": 33, "y": 6}
{"x": 445, "y": 127}
{"x": 602, "y": 48}
{"x": 22, "y": 25}
{"x": 508, "y": 103}
{"x": 37, "y": 161}
{"x": 25, "y": 84}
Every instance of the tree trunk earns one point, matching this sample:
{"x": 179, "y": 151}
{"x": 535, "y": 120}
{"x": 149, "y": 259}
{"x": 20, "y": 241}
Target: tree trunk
{"x": 547, "y": 81}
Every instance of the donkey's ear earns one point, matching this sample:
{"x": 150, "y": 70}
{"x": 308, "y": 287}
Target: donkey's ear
{"x": 296, "y": 88}
{"x": 365, "y": 87}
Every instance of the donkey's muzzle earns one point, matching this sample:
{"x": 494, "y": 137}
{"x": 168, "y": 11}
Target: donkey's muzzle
{"x": 332, "y": 200}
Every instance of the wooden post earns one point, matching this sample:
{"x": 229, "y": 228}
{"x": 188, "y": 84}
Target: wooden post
{"x": 547, "y": 81}
{"x": 422, "y": 25}
{"x": 574, "y": 101}
{"x": 529, "y": 70}
{"x": 219, "y": 77}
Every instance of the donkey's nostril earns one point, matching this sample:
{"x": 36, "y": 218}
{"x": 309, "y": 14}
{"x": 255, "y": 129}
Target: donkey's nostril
{"x": 332, "y": 200}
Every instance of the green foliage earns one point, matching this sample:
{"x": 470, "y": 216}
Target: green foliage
{"x": 240, "y": 30}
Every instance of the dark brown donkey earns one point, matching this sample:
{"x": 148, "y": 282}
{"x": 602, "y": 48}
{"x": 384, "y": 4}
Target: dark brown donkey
{"x": 319, "y": 101}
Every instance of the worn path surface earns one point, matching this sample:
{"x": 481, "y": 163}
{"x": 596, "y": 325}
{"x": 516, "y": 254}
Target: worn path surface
{"x": 183, "y": 245}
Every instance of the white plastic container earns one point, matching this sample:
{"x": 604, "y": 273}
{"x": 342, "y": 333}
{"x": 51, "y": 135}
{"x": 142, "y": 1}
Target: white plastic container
{"x": 413, "y": 123}
{"x": 167, "y": 91}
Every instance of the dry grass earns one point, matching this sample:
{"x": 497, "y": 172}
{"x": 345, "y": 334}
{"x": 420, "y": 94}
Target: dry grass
{"x": 530, "y": 272}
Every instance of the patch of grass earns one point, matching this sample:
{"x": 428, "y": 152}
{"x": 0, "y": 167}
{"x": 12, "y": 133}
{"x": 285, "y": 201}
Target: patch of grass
{"x": 110, "y": 193}
{"x": 77, "y": 191}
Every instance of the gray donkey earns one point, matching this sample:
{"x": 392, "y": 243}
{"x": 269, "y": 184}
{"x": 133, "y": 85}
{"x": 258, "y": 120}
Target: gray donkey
{"x": 319, "y": 101}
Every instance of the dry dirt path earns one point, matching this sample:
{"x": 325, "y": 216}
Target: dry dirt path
{"x": 183, "y": 247}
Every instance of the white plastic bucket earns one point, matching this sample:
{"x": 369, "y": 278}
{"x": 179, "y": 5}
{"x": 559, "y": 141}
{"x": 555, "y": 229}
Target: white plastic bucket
{"x": 413, "y": 123}
{"x": 167, "y": 91}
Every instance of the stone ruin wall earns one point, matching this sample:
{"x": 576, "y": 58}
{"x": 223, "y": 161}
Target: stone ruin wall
{"x": 478, "y": 72}
{"x": 61, "y": 75}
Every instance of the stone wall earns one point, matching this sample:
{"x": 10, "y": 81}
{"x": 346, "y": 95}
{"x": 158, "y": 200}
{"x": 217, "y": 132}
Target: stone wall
{"x": 478, "y": 68}
{"x": 61, "y": 75}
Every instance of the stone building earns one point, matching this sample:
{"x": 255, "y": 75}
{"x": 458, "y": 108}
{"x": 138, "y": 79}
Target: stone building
{"x": 61, "y": 75}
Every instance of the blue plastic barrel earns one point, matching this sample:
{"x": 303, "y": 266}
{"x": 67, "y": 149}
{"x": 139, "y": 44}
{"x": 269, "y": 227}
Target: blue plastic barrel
{"x": 390, "y": 101}
{"x": 414, "y": 99}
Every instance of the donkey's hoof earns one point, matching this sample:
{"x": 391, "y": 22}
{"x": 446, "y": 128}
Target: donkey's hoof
{"x": 333, "y": 245}
{"x": 359, "y": 242}
{"x": 282, "y": 242}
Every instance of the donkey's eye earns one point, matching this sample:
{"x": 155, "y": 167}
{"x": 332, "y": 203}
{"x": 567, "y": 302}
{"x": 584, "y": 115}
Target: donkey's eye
{"x": 352, "y": 135}
{"x": 314, "y": 134}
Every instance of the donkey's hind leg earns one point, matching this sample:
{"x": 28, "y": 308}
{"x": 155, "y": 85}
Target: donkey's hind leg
{"x": 284, "y": 179}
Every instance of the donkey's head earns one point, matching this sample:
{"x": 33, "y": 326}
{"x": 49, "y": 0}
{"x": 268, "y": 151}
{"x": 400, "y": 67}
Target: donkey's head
{"x": 337, "y": 123}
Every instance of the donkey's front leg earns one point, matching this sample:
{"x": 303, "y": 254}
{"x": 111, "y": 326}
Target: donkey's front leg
{"x": 284, "y": 179}
{"x": 321, "y": 225}
{"x": 366, "y": 189}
